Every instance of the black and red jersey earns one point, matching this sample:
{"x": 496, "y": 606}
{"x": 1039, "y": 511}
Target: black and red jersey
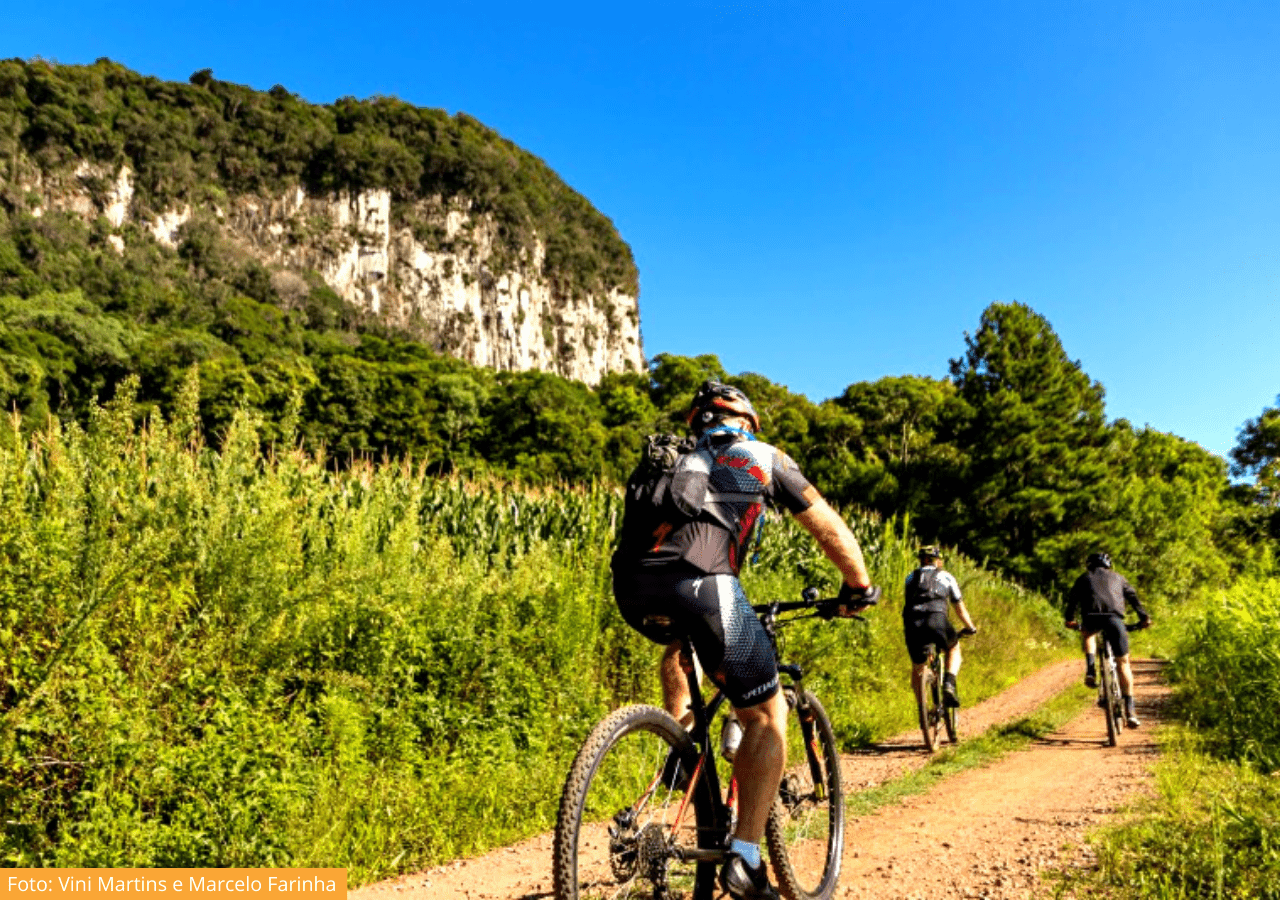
{"x": 744, "y": 475}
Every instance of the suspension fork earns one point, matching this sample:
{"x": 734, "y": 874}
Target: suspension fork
{"x": 808, "y": 729}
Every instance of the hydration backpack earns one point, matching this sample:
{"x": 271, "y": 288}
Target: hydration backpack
{"x": 665, "y": 485}
{"x": 924, "y": 594}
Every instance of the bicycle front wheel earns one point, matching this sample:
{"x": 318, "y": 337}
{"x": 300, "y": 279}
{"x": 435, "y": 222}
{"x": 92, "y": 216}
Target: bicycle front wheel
{"x": 805, "y": 833}
{"x": 625, "y": 828}
{"x": 951, "y": 718}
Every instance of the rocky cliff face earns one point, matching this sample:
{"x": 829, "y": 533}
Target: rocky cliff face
{"x": 453, "y": 284}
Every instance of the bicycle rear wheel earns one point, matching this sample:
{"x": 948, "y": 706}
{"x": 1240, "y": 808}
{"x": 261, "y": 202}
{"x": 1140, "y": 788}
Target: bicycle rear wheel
{"x": 624, "y": 821}
{"x": 1111, "y": 699}
{"x": 805, "y": 832}
{"x": 929, "y": 702}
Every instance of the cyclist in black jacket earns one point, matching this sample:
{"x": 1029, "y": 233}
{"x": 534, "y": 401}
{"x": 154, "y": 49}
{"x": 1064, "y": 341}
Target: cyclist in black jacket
{"x": 1100, "y": 595}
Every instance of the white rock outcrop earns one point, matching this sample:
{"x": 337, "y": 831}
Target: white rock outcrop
{"x": 457, "y": 295}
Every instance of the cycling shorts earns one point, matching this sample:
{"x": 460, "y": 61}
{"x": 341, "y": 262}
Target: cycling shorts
{"x": 931, "y": 628}
{"x": 1111, "y": 627}
{"x": 713, "y": 612}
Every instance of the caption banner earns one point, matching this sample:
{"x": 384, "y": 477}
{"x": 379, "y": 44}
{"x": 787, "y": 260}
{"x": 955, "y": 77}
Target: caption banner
{"x": 224, "y": 884}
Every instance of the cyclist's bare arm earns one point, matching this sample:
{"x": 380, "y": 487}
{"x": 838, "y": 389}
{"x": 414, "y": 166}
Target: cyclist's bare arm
{"x": 963, "y": 613}
{"x": 835, "y": 539}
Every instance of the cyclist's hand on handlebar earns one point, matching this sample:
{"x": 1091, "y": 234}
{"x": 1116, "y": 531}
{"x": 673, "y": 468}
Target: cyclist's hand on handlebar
{"x": 851, "y": 600}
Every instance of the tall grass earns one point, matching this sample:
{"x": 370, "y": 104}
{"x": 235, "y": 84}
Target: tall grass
{"x": 1227, "y": 674}
{"x": 241, "y": 658}
{"x": 1213, "y": 830}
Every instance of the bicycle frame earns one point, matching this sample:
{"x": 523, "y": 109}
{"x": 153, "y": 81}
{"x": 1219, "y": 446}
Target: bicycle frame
{"x": 1109, "y": 696}
{"x": 706, "y": 777}
{"x": 929, "y": 697}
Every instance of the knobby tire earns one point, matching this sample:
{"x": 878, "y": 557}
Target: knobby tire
{"x": 951, "y": 719}
{"x": 1110, "y": 692}
{"x": 602, "y": 850}
{"x": 928, "y": 704}
{"x": 805, "y": 831}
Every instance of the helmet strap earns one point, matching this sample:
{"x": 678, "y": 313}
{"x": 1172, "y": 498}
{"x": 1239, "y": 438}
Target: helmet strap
{"x": 727, "y": 429}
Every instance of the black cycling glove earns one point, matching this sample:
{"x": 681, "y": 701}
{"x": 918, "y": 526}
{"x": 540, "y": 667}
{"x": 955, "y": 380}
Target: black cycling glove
{"x": 852, "y": 600}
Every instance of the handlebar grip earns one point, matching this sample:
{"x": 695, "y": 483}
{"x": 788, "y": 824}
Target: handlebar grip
{"x": 851, "y": 596}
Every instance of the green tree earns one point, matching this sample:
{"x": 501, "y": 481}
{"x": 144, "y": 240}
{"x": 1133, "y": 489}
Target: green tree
{"x": 910, "y": 460}
{"x": 1171, "y": 513}
{"x": 1257, "y": 453}
{"x": 673, "y": 379}
{"x": 1036, "y": 439}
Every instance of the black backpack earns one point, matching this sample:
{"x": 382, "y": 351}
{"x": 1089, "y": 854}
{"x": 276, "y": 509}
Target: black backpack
{"x": 649, "y": 489}
{"x": 924, "y": 594}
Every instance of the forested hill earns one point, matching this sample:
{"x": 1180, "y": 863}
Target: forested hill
{"x": 152, "y": 229}
{"x": 179, "y": 209}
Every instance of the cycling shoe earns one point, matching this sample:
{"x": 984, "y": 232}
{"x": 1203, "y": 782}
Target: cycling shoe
{"x": 742, "y": 882}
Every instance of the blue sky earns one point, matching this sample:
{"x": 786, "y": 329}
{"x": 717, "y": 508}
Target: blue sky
{"x": 829, "y": 193}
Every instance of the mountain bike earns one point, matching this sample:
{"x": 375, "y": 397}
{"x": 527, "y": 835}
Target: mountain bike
{"x": 643, "y": 814}
{"x": 1110, "y": 699}
{"x": 934, "y": 714}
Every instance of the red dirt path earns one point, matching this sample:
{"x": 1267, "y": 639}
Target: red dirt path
{"x": 986, "y": 833}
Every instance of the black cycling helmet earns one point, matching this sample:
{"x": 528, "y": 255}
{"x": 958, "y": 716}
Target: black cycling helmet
{"x": 715, "y": 401}
{"x": 932, "y": 551}
{"x": 1098, "y": 560}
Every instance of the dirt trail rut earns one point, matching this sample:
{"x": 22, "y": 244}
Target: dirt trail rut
{"x": 986, "y": 833}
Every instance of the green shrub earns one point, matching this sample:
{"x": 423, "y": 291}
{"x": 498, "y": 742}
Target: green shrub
{"x": 1227, "y": 673}
{"x": 244, "y": 658}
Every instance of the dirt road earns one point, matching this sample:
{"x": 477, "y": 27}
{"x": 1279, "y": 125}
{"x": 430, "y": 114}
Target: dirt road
{"x": 986, "y": 833}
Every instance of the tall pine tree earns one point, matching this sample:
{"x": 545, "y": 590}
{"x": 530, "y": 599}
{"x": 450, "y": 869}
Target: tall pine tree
{"x": 1036, "y": 477}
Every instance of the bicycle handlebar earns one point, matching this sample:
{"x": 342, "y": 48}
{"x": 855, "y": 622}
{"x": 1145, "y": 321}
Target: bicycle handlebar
{"x": 1128, "y": 626}
{"x": 826, "y": 608}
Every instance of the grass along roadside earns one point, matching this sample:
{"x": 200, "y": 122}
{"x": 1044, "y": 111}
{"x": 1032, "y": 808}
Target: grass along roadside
{"x": 1211, "y": 830}
{"x": 989, "y": 747}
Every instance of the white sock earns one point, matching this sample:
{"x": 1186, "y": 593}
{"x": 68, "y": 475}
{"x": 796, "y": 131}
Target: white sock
{"x": 750, "y": 853}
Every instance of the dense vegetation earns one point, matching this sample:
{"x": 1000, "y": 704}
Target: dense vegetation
{"x": 1213, "y": 829}
{"x": 989, "y": 460}
{"x": 197, "y": 143}
{"x": 236, "y": 658}
{"x": 368, "y": 629}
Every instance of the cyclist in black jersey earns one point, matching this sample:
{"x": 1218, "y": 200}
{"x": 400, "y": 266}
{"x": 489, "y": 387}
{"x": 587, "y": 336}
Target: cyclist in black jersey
{"x": 929, "y": 590}
{"x": 681, "y": 578}
{"x": 1100, "y": 595}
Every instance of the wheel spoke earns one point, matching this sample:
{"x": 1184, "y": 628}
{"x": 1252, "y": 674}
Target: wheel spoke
{"x": 622, "y": 823}
{"x": 806, "y": 826}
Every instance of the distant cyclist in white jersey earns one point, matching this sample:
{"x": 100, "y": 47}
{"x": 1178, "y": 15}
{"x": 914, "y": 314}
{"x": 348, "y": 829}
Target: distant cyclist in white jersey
{"x": 930, "y": 589}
